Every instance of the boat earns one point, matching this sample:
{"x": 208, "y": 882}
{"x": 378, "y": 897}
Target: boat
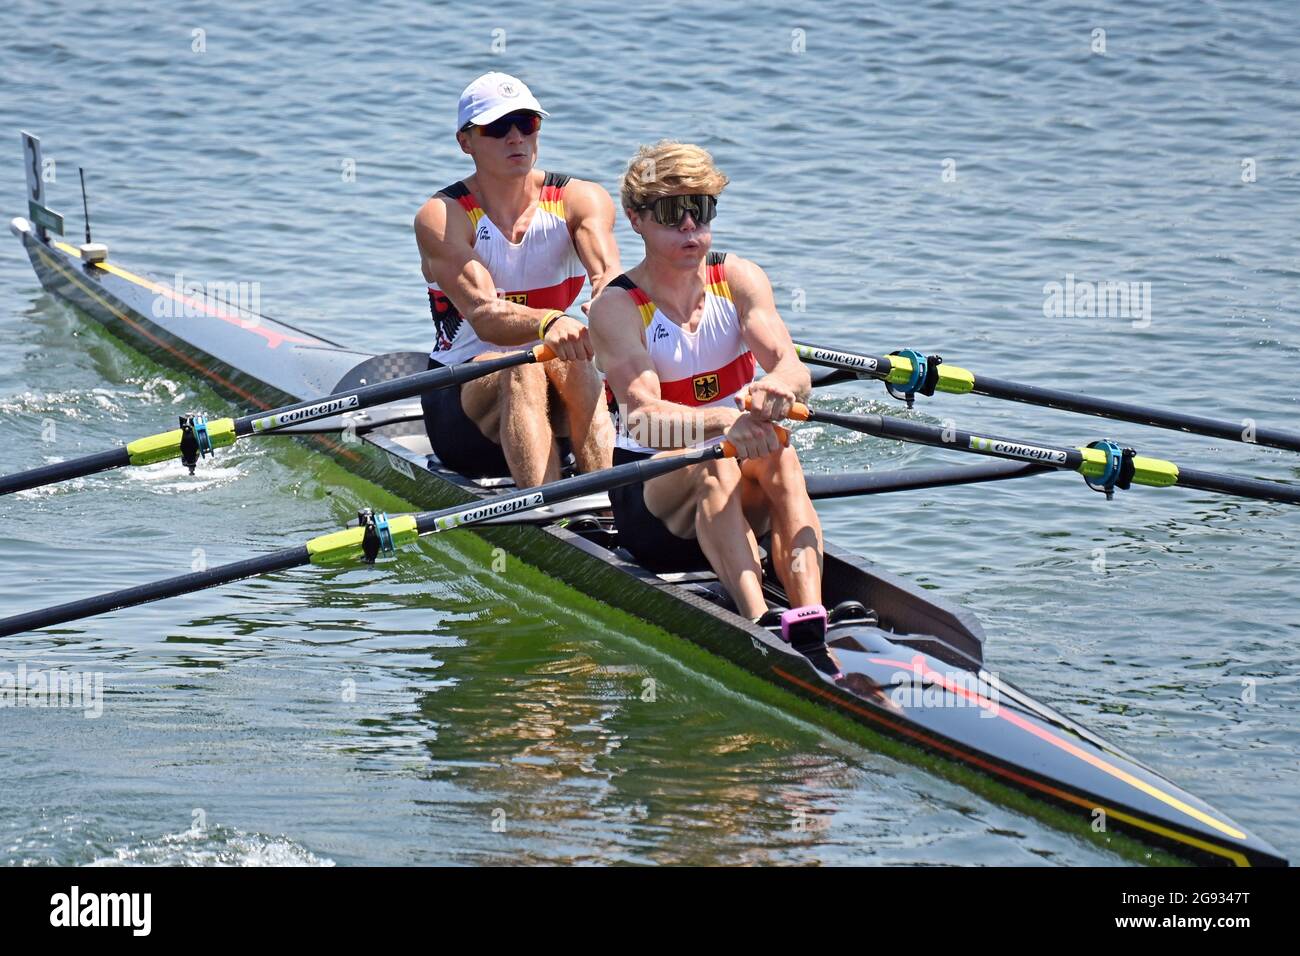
{"x": 913, "y": 682}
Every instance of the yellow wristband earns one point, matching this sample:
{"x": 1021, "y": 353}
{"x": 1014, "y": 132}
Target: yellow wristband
{"x": 547, "y": 319}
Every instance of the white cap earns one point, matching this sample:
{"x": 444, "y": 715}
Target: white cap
{"x": 492, "y": 96}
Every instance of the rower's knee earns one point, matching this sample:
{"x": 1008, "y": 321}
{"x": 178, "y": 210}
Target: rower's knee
{"x": 717, "y": 482}
{"x": 785, "y": 475}
{"x": 576, "y": 382}
{"x": 527, "y": 381}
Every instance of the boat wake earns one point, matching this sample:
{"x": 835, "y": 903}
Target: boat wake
{"x": 215, "y": 846}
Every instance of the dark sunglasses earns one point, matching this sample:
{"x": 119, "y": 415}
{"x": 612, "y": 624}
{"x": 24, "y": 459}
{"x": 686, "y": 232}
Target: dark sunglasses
{"x": 527, "y": 123}
{"x": 671, "y": 210}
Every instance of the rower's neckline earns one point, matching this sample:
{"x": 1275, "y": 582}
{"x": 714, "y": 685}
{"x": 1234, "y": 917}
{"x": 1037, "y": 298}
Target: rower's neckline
{"x": 537, "y": 205}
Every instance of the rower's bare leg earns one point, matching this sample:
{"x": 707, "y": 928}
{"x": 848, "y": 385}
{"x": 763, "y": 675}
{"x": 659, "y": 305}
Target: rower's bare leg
{"x": 795, "y": 528}
{"x": 726, "y": 537}
{"x": 510, "y": 407}
{"x": 703, "y": 502}
{"x": 776, "y": 497}
{"x": 480, "y": 400}
{"x": 583, "y": 397}
{"x": 526, "y": 436}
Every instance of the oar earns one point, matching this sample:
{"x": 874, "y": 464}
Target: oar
{"x": 197, "y": 436}
{"x": 1104, "y": 465}
{"x": 911, "y": 373}
{"x": 851, "y": 484}
{"x": 376, "y": 533}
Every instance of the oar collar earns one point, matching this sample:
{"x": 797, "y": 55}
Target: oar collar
{"x": 1118, "y": 472}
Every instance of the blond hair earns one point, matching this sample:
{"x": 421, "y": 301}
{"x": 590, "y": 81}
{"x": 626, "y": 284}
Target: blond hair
{"x": 669, "y": 167}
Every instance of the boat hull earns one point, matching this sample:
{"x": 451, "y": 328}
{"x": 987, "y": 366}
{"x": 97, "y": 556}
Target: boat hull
{"x": 913, "y": 686}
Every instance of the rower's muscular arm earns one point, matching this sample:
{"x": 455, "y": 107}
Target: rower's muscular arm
{"x": 590, "y": 214}
{"x": 619, "y": 340}
{"x": 787, "y": 379}
{"x": 445, "y": 237}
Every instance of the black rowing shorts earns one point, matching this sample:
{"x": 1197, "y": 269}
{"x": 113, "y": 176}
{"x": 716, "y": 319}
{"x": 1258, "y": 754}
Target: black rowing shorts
{"x": 456, "y": 440}
{"x": 641, "y": 533}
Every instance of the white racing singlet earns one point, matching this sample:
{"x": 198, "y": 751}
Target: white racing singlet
{"x": 541, "y": 271}
{"x": 699, "y": 369}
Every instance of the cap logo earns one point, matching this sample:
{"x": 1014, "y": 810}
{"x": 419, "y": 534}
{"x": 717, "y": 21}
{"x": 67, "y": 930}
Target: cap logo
{"x": 507, "y": 89}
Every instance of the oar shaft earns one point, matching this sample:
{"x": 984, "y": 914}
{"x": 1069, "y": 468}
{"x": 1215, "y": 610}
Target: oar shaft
{"x": 166, "y": 446}
{"x": 853, "y": 484}
{"x": 1242, "y": 487}
{"x": 1153, "y": 472}
{"x": 569, "y": 488}
{"x": 920, "y": 433}
{"x": 381, "y": 393}
{"x": 155, "y": 591}
{"x": 349, "y": 543}
{"x": 64, "y": 471}
{"x": 1243, "y": 431}
{"x": 957, "y": 380}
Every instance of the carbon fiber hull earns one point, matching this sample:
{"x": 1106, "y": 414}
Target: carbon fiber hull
{"x": 914, "y": 686}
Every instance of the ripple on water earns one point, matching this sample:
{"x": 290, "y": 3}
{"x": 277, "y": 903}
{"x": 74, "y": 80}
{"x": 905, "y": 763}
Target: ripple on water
{"x": 393, "y": 711}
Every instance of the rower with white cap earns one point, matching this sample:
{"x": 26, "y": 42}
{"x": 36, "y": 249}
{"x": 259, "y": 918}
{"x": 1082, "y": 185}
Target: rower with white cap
{"x": 505, "y": 253}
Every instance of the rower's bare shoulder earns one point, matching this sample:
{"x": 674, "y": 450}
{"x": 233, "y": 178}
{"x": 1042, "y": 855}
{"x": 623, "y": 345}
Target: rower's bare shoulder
{"x": 584, "y": 199}
{"x": 435, "y": 224}
{"x": 613, "y": 309}
{"x": 747, "y": 280}
{"x": 617, "y": 335}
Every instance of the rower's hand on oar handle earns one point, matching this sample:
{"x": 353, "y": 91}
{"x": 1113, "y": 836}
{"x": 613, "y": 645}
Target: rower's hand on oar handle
{"x": 567, "y": 337}
{"x": 769, "y": 398}
{"x": 730, "y": 451}
{"x": 798, "y": 411}
{"x": 750, "y": 437}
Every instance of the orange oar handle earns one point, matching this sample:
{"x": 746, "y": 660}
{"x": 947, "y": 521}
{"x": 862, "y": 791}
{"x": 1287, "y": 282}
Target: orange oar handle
{"x": 542, "y": 353}
{"x": 798, "y": 411}
{"x": 729, "y": 450}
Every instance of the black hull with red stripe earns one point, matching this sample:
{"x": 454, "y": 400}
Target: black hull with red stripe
{"x": 914, "y": 686}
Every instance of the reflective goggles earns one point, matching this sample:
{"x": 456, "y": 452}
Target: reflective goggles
{"x": 526, "y": 122}
{"x": 671, "y": 210}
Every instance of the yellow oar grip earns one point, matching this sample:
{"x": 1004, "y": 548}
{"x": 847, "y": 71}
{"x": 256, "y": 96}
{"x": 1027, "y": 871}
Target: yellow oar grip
{"x": 952, "y": 378}
{"x": 167, "y": 445}
{"x": 346, "y": 544}
{"x": 1152, "y": 472}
